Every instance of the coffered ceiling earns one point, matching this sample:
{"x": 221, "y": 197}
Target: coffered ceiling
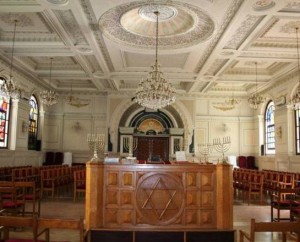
{"x": 206, "y": 47}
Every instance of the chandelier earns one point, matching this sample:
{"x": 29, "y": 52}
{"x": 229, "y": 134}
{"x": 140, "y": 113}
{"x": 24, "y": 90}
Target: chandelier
{"x": 76, "y": 101}
{"x": 255, "y": 99}
{"x": 49, "y": 97}
{"x": 228, "y": 104}
{"x": 9, "y": 89}
{"x": 295, "y": 101}
{"x": 155, "y": 92}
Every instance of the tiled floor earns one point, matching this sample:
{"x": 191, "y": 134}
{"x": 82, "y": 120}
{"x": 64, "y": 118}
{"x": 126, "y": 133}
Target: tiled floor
{"x": 66, "y": 208}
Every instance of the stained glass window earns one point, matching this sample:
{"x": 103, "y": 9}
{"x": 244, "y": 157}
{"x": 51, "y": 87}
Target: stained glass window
{"x": 33, "y": 123}
{"x": 270, "y": 128}
{"x": 4, "y": 118}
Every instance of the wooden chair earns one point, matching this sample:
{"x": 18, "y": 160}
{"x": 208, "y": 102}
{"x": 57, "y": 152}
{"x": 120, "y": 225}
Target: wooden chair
{"x": 8, "y": 222}
{"x": 280, "y": 201}
{"x": 283, "y": 227}
{"x": 40, "y": 226}
{"x": 79, "y": 182}
{"x": 51, "y": 223}
{"x": 12, "y": 200}
{"x": 254, "y": 186}
{"x": 31, "y": 194}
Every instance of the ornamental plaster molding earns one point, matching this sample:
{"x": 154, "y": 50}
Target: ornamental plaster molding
{"x": 293, "y": 6}
{"x": 216, "y": 66}
{"x": 93, "y": 63}
{"x": 23, "y": 19}
{"x": 201, "y": 30}
{"x": 71, "y": 26}
{"x": 233, "y": 8}
{"x": 89, "y": 12}
{"x": 243, "y": 31}
{"x": 263, "y": 5}
{"x": 58, "y": 2}
{"x": 290, "y": 27}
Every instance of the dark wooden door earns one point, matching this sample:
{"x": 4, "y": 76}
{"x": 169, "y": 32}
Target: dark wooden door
{"x": 152, "y": 146}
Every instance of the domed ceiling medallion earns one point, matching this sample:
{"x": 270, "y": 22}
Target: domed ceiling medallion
{"x": 180, "y": 25}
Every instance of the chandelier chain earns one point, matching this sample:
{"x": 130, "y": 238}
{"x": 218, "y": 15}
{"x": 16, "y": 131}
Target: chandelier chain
{"x": 155, "y": 92}
{"x": 298, "y": 54}
{"x": 13, "y": 50}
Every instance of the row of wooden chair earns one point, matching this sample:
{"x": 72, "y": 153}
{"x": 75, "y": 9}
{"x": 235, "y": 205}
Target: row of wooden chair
{"x": 14, "y": 196}
{"x": 281, "y": 187}
{"x": 57, "y": 180}
{"x": 40, "y": 226}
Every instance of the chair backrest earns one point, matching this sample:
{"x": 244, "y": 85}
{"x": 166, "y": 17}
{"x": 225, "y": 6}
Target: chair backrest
{"x": 52, "y": 223}
{"x": 58, "y": 158}
{"x": 17, "y": 222}
{"x": 49, "y": 158}
{"x": 283, "y": 227}
{"x": 242, "y": 162}
{"x": 250, "y": 161}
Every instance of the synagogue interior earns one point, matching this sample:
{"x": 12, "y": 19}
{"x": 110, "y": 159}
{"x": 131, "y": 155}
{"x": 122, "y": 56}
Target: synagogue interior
{"x": 158, "y": 115}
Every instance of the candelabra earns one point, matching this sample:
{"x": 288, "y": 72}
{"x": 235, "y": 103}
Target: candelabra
{"x": 205, "y": 150}
{"x": 222, "y": 146}
{"x": 177, "y": 145}
{"x": 96, "y": 144}
{"x": 130, "y": 144}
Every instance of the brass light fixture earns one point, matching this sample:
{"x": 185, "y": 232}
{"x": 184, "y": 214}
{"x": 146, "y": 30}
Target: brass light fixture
{"x": 295, "y": 101}
{"x": 155, "y": 92}
{"x": 49, "y": 97}
{"x": 76, "y": 101}
{"x": 255, "y": 99}
{"x": 9, "y": 89}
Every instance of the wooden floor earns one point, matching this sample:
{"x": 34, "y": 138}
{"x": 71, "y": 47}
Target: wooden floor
{"x": 66, "y": 208}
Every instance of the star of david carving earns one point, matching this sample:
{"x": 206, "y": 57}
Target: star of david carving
{"x": 168, "y": 203}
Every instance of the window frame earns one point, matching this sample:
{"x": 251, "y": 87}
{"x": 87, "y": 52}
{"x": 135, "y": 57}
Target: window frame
{"x": 33, "y": 123}
{"x": 6, "y": 119}
{"x": 270, "y": 134}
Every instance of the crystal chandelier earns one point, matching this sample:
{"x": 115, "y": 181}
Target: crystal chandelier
{"x": 9, "y": 89}
{"x": 49, "y": 97}
{"x": 155, "y": 92}
{"x": 295, "y": 101}
{"x": 255, "y": 99}
{"x": 76, "y": 101}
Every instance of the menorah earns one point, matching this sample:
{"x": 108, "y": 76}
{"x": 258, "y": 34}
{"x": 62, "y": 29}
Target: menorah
{"x": 96, "y": 143}
{"x": 222, "y": 146}
{"x": 130, "y": 144}
{"x": 205, "y": 150}
{"x": 177, "y": 145}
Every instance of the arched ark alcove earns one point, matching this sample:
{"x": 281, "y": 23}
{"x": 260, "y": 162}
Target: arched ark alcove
{"x": 147, "y": 133}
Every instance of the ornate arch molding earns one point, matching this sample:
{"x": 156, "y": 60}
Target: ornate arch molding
{"x": 125, "y": 112}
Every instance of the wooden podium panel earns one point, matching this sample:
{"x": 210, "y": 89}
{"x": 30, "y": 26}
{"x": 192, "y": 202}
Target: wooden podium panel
{"x": 159, "y": 197}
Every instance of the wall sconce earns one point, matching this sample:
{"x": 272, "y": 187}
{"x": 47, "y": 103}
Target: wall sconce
{"x": 279, "y": 132}
{"x": 77, "y": 127}
{"x": 225, "y": 128}
{"x": 24, "y": 126}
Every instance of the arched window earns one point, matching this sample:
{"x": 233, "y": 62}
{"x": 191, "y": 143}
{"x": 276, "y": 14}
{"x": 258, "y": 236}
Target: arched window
{"x": 270, "y": 128}
{"x": 33, "y": 123}
{"x": 4, "y": 118}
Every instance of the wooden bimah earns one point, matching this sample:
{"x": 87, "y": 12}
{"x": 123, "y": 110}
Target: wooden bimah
{"x": 176, "y": 202}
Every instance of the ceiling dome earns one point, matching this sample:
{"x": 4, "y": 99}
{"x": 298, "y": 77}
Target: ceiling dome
{"x": 180, "y": 25}
{"x": 142, "y": 21}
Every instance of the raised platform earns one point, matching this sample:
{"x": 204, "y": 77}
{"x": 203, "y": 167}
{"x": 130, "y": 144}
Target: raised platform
{"x": 177, "y": 202}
